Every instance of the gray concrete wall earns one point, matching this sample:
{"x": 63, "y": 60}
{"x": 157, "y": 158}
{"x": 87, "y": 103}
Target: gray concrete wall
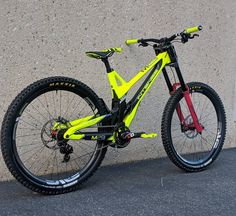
{"x": 48, "y": 38}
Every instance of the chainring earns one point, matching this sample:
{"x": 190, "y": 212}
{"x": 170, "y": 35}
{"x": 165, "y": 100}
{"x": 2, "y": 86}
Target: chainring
{"x": 120, "y": 140}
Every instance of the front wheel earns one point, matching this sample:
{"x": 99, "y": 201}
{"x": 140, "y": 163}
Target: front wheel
{"x": 186, "y": 148}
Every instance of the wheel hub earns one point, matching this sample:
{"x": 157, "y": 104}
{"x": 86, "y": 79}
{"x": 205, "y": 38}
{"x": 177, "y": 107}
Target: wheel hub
{"x": 54, "y": 139}
{"x": 189, "y": 128}
{"x": 48, "y": 136}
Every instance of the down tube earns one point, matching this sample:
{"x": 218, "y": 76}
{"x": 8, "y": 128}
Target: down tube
{"x": 129, "y": 117}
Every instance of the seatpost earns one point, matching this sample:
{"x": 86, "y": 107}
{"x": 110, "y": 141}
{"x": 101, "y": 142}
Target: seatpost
{"x": 107, "y": 65}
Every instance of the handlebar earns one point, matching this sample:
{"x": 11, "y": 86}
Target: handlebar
{"x": 187, "y": 32}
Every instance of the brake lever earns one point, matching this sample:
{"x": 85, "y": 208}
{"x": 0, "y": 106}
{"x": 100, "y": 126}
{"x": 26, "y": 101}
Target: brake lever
{"x": 143, "y": 44}
{"x": 195, "y": 35}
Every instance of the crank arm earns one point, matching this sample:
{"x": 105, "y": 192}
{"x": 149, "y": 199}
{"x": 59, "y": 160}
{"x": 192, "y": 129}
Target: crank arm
{"x": 144, "y": 135}
{"x": 131, "y": 135}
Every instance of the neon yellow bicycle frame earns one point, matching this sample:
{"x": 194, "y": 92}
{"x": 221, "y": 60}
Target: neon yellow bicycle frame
{"x": 120, "y": 88}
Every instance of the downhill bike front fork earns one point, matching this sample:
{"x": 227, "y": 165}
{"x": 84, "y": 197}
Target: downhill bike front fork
{"x": 193, "y": 114}
{"x": 172, "y": 88}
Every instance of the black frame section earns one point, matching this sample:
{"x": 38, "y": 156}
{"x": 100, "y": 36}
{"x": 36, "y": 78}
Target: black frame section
{"x": 96, "y": 135}
{"x": 107, "y": 64}
{"x": 131, "y": 104}
{"x": 174, "y": 63}
{"x": 167, "y": 79}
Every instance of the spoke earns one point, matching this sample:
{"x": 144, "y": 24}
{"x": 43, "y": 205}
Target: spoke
{"x": 68, "y": 106}
{"x": 33, "y": 117}
{"x": 36, "y": 158}
{"x": 80, "y": 146}
{"x": 82, "y": 109}
{"x": 207, "y": 120}
{"x": 78, "y": 158}
{"x": 72, "y": 166}
{"x": 196, "y": 107}
{"x": 89, "y": 113}
{"x": 32, "y": 154}
{"x": 32, "y": 144}
{"x": 205, "y": 108}
{"x": 80, "y": 142}
{"x": 48, "y": 163}
{"x": 35, "y": 126}
{"x": 47, "y": 105}
{"x": 27, "y": 128}
{"x": 53, "y": 162}
{"x": 39, "y": 112}
{"x": 54, "y": 104}
{"x": 207, "y": 115}
{"x": 75, "y": 107}
{"x": 57, "y": 165}
{"x": 105, "y": 146}
{"x": 176, "y": 127}
{"x": 206, "y": 141}
{"x": 202, "y": 147}
{"x": 182, "y": 134}
{"x": 38, "y": 148}
{"x": 211, "y": 138}
{"x": 209, "y": 126}
{"x": 194, "y": 150}
{"x": 50, "y": 116}
{"x": 202, "y": 108}
{"x": 183, "y": 144}
{"x": 181, "y": 139}
{"x": 27, "y": 135}
{"x": 210, "y": 131}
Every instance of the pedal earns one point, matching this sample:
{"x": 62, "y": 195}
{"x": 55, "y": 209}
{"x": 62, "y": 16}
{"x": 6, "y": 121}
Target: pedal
{"x": 148, "y": 136}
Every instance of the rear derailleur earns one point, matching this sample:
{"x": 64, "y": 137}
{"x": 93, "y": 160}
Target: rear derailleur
{"x": 65, "y": 148}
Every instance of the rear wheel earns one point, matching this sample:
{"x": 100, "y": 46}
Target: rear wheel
{"x": 188, "y": 149}
{"x": 30, "y": 149}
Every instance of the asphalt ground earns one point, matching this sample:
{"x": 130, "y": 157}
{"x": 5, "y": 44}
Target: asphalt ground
{"x": 150, "y": 187}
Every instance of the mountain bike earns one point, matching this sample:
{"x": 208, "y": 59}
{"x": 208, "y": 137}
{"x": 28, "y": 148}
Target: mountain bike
{"x": 56, "y": 132}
